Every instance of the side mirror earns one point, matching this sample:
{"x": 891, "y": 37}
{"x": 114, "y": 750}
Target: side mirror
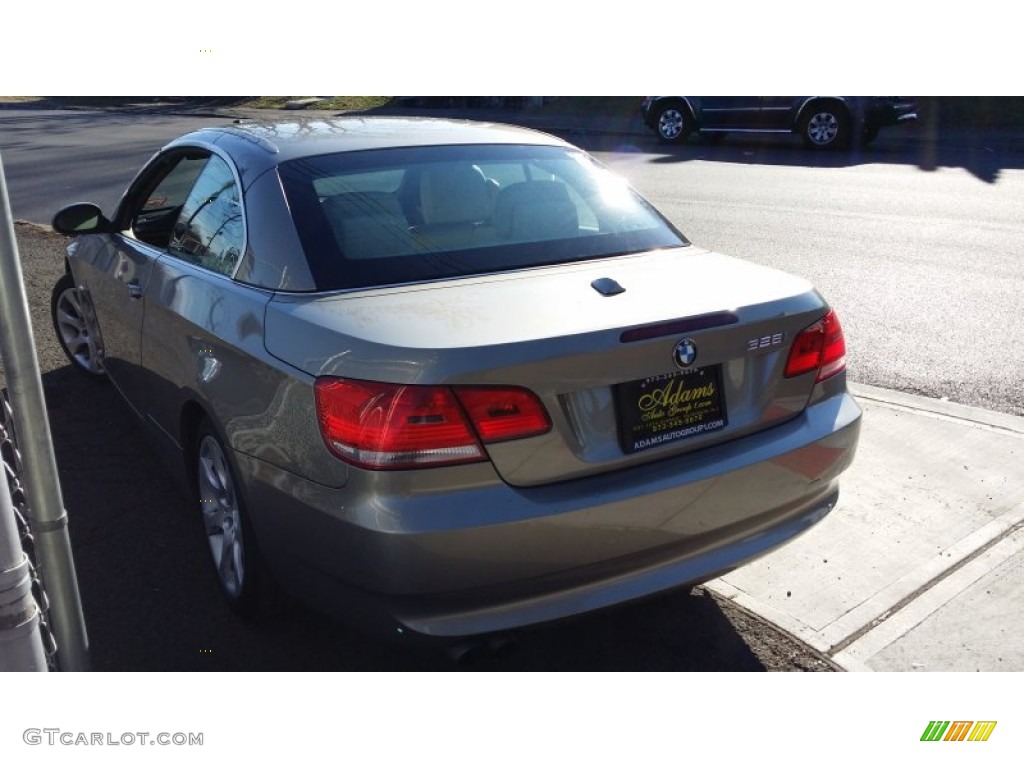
{"x": 81, "y": 219}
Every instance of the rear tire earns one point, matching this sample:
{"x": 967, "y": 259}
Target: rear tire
{"x": 825, "y": 126}
{"x": 241, "y": 572}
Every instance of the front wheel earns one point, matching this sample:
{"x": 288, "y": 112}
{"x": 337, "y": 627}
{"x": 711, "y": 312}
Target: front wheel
{"x": 673, "y": 124}
{"x": 76, "y": 329}
{"x": 826, "y": 126}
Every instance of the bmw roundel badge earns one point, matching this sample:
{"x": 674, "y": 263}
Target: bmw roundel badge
{"x": 685, "y": 353}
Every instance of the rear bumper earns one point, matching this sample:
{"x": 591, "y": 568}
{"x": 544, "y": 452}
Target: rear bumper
{"x": 549, "y": 600}
{"x": 468, "y": 554}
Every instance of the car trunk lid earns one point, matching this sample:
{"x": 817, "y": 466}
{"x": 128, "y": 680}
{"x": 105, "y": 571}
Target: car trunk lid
{"x": 690, "y": 353}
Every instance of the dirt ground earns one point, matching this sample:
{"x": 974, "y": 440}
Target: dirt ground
{"x": 150, "y": 598}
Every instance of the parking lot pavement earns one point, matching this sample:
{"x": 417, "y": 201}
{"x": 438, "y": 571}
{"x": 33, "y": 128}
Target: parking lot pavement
{"x": 920, "y": 566}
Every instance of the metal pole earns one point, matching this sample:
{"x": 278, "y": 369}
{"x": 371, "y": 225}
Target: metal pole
{"x": 32, "y": 425}
{"x": 21, "y": 642}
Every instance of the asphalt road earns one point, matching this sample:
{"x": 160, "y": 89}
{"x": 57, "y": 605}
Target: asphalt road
{"x": 922, "y": 265}
{"x": 52, "y": 158}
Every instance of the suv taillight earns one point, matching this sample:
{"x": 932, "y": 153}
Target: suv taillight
{"x": 403, "y": 426}
{"x": 820, "y": 347}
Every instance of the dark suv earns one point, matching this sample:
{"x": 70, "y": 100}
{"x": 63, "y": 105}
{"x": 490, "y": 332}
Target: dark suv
{"x": 822, "y": 121}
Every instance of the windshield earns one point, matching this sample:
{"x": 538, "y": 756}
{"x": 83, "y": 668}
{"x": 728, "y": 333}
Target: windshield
{"x": 391, "y": 216}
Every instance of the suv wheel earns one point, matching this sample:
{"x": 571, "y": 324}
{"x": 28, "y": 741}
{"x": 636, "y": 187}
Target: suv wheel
{"x": 825, "y": 126}
{"x": 673, "y": 124}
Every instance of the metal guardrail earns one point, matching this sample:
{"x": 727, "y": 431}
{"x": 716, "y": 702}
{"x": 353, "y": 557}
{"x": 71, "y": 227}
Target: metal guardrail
{"x": 35, "y": 550}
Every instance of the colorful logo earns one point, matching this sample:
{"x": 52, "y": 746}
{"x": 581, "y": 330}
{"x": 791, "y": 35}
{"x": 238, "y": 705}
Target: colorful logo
{"x": 958, "y": 730}
{"x": 685, "y": 353}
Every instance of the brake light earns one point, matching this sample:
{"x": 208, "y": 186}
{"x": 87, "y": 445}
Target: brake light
{"x": 403, "y": 426}
{"x": 500, "y": 413}
{"x": 820, "y": 347}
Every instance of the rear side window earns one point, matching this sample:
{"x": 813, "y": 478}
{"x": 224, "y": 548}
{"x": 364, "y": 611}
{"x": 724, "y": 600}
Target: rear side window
{"x": 393, "y": 216}
{"x": 209, "y": 229}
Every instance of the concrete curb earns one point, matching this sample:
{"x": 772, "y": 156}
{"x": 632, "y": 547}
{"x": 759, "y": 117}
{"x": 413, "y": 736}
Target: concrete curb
{"x": 939, "y": 407}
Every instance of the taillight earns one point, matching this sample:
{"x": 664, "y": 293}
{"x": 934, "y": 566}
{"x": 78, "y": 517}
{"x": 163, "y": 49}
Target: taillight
{"x": 500, "y": 413}
{"x": 402, "y": 426}
{"x": 819, "y": 347}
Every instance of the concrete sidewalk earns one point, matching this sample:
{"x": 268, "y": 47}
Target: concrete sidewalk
{"x": 921, "y": 566}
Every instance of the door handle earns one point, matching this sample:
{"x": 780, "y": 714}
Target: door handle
{"x": 134, "y": 290}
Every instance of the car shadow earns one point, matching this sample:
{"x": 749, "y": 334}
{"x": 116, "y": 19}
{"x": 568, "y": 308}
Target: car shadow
{"x": 151, "y": 602}
{"x": 983, "y": 154}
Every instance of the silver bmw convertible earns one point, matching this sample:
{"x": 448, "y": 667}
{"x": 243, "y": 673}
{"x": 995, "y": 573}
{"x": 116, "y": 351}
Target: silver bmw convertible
{"x": 446, "y": 378}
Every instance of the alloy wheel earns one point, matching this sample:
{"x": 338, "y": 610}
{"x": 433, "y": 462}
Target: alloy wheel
{"x": 75, "y": 331}
{"x": 823, "y": 128}
{"x": 670, "y": 124}
{"x": 222, "y": 518}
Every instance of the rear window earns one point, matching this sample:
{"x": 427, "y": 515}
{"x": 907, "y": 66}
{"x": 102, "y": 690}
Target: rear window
{"x": 383, "y": 217}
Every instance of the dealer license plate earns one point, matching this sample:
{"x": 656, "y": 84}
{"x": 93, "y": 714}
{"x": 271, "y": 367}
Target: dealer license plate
{"x": 669, "y": 407}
